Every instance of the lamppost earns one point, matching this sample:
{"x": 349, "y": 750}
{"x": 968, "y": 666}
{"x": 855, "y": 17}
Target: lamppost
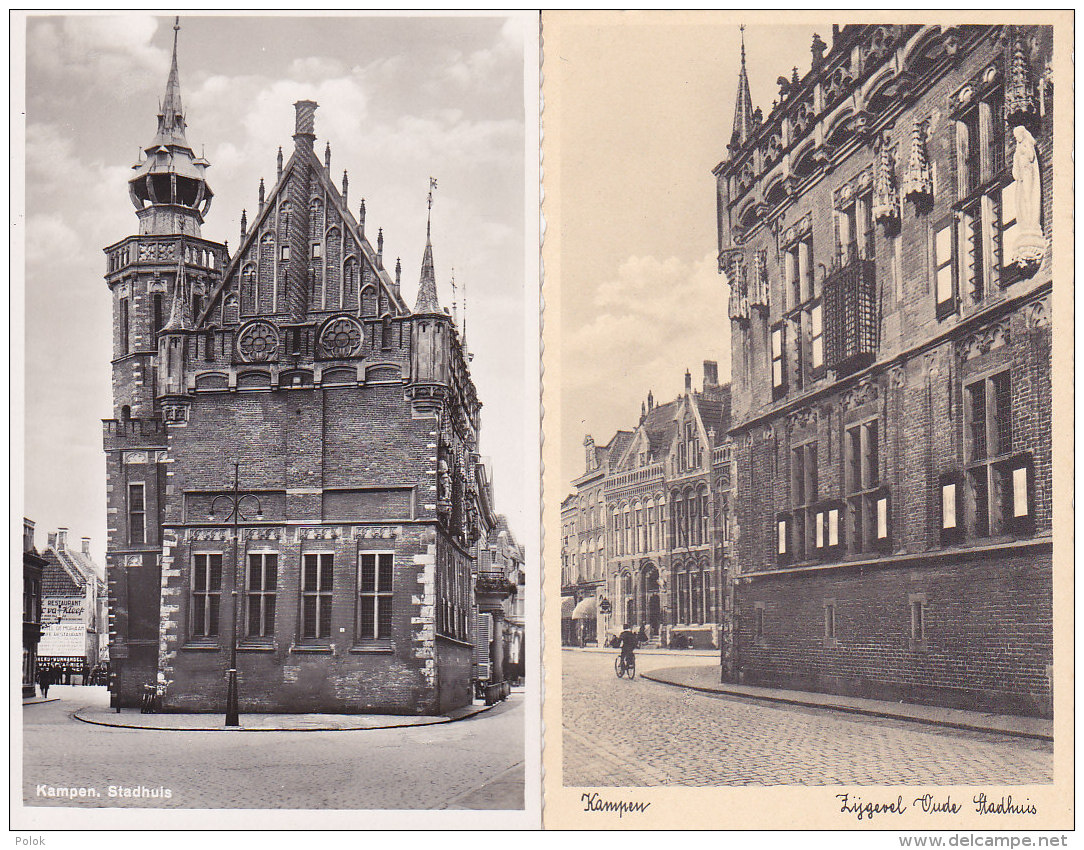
{"x": 236, "y": 503}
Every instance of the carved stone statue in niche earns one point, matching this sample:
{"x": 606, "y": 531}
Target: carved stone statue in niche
{"x": 1030, "y": 244}
{"x": 444, "y": 481}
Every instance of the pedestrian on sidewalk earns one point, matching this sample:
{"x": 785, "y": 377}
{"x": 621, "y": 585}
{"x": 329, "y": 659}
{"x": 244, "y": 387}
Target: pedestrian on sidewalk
{"x": 44, "y": 680}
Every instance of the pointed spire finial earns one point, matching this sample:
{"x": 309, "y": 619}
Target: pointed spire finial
{"x": 278, "y": 164}
{"x": 361, "y": 218}
{"x": 429, "y": 204}
{"x": 427, "y": 287}
{"x": 327, "y": 156}
{"x": 743, "y": 103}
{"x": 244, "y": 224}
{"x": 346, "y": 186}
{"x": 380, "y": 247}
{"x": 455, "y": 301}
{"x": 261, "y": 193}
{"x": 398, "y": 272}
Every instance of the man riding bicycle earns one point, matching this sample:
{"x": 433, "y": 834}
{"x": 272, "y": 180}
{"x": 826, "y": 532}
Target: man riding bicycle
{"x": 628, "y": 640}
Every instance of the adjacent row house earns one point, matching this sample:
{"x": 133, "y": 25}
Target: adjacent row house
{"x": 645, "y": 536}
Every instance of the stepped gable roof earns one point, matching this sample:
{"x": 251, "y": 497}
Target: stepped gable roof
{"x": 320, "y": 175}
{"x": 67, "y": 572}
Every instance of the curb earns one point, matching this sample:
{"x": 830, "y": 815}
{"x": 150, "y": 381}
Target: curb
{"x": 435, "y": 721}
{"x": 39, "y": 701}
{"x": 929, "y": 721}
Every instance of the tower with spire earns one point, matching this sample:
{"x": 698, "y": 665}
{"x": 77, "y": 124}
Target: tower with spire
{"x": 352, "y": 418}
{"x": 158, "y": 279}
{"x": 743, "y": 104}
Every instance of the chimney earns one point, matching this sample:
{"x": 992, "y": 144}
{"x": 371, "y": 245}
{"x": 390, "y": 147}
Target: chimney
{"x": 61, "y": 539}
{"x": 711, "y": 374}
{"x": 305, "y": 123}
{"x": 28, "y": 534}
{"x": 86, "y": 546}
{"x": 688, "y": 381}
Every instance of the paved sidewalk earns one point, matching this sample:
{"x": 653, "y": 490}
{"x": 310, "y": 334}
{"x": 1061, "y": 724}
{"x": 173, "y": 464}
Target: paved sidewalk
{"x": 706, "y": 679}
{"x": 130, "y": 718}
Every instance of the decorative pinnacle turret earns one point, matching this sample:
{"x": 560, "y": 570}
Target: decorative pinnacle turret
{"x": 380, "y": 247}
{"x": 261, "y": 193}
{"x": 361, "y": 218}
{"x": 278, "y": 165}
{"x": 327, "y": 156}
{"x": 346, "y": 186}
{"x": 398, "y": 272}
{"x": 244, "y": 224}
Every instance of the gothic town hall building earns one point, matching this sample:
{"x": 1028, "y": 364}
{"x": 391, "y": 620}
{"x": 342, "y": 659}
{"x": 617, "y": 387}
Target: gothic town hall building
{"x": 285, "y": 392}
{"x": 886, "y": 233}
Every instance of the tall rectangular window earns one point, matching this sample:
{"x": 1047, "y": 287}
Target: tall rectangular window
{"x": 779, "y": 377}
{"x": 943, "y": 270}
{"x": 262, "y": 586}
{"x": 316, "y": 585}
{"x": 374, "y": 596}
{"x": 989, "y": 427}
{"x": 159, "y": 318}
{"x": 867, "y": 531}
{"x": 206, "y": 594}
{"x": 123, "y": 322}
{"x": 137, "y": 514}
{"x": 816, "y": 331}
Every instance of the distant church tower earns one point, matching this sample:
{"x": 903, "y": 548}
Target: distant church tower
{"x": 158, "y": 280}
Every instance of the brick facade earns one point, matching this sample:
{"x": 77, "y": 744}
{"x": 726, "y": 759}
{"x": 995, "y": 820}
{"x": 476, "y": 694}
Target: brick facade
{"x": 292, "y": 376}
{"x": 892, "y": 371}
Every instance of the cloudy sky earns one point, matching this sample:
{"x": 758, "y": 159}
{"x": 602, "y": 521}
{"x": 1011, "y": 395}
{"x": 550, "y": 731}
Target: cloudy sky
{"x": 400, "y": 100}
{"x": 646, "y": 110}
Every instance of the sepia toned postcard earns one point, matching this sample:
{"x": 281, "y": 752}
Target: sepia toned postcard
{"x": 276, "y": 398}
{"x": 808, "y": 297}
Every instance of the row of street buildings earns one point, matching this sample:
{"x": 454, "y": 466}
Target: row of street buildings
{"x": 64, "y": 610}
{"x": 866, "y": 507}
{"x": 299, "y": 516}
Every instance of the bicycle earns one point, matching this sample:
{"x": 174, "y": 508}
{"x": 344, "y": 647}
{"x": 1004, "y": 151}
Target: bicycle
{"x": 623, "y": 666}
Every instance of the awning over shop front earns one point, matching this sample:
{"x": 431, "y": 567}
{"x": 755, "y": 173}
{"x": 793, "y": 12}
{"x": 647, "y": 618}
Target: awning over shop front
{"x": 585, "y": 610}
{"x": 568, "y": 604}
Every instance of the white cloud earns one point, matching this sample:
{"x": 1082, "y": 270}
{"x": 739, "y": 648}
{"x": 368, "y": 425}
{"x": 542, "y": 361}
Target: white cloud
{"x": 649, "y": 323}
{"x": 103, "y": 48}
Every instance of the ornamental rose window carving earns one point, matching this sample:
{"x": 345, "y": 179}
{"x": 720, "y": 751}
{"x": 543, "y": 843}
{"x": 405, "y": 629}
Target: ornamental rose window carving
{"x": 341, "y": 337}
{"x": 258, "y": 342}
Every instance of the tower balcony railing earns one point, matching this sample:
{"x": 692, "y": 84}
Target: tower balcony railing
{"x": 635, "y": 476}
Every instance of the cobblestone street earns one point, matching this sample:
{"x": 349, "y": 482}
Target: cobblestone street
{"x": 618, "y": 732}
{"x": 471, "y": 764}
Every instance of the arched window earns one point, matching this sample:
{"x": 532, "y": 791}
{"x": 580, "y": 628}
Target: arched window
{"x": 703, "y": 511}
{"x": 649, "y": 524}
{"x": 248, "y": 289}
{"x": 368, "y": 301}
{"x": 350, "y": 275}
{"x": 637, "y": 539}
